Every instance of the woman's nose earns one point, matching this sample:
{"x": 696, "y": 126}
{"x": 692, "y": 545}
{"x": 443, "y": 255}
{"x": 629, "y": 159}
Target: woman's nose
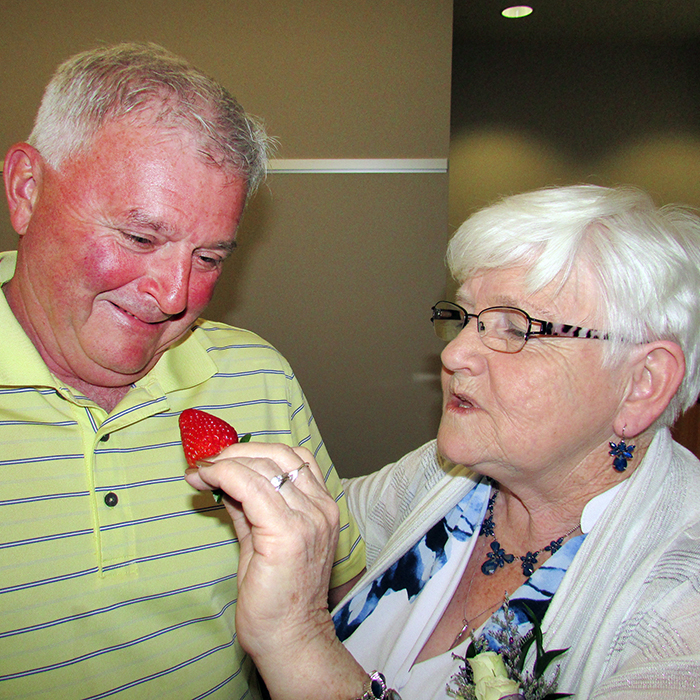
{"x": 466, "y": 351}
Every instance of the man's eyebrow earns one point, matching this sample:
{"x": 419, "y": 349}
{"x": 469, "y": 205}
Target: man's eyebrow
{"x": 227, "y": 246}
{"x": 137, "y": 217}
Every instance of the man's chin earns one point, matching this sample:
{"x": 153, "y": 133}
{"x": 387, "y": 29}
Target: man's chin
{"x": 112, "y": 373}
{"x": 121, "y": 364}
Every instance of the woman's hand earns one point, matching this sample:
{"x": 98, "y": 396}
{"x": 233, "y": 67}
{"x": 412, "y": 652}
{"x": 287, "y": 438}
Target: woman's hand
{"x": 287, "y": 536}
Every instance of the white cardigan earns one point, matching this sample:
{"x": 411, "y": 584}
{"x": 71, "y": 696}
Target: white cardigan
{"x": 628, "y": 608}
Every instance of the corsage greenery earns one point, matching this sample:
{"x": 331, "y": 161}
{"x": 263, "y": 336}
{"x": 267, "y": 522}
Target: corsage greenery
{"x": 490, "y": 675}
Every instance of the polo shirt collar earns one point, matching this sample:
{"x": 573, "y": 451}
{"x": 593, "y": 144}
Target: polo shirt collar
{"x": 20, "y": 362}
{"x": 184, "y": 365}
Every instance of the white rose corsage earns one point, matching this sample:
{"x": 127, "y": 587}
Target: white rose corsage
{"x": 491, "y": 675}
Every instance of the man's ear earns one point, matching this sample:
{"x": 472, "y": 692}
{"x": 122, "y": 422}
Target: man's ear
{"x": 22, "y": 171}
{"x": 657, "y": 370}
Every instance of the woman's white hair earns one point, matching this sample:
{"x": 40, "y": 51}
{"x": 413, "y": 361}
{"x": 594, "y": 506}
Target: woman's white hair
{"x": 109, "y": 83}
{"x": 645, "y": 261}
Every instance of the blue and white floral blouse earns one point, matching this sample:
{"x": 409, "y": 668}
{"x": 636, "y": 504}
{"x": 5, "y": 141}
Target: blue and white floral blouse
{"x": 386, "y": 624}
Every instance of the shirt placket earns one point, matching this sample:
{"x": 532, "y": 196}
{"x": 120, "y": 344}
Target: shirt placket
{"x": 106, "y": 440}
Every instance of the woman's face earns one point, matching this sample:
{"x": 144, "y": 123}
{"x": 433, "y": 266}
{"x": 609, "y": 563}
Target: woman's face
{"x": 540, "y": 411}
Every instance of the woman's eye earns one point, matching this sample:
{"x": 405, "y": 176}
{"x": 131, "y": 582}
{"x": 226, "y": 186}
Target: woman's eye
{"x": 516, "y": 332}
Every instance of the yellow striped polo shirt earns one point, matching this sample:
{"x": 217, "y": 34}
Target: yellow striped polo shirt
{"x": 116, "y": 577}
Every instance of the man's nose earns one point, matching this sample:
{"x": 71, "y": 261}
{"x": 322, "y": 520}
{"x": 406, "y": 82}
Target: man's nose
{"x": 168, "y": 283}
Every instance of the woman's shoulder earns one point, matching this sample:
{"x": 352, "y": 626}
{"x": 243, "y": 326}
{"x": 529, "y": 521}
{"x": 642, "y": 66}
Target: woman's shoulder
{"x": 381, "y": 501}
{"x": 399, "y": 483}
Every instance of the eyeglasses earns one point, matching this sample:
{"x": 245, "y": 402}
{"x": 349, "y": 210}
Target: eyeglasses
{"x": 503, "y": 328}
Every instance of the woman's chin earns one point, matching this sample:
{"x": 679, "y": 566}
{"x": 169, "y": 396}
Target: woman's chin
{"x": 453, "y": 448}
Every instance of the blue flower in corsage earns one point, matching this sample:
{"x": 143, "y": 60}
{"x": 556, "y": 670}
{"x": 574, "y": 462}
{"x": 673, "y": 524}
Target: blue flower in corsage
{"x": 491, "y": 675}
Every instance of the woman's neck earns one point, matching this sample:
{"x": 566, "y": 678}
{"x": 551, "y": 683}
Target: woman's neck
{"x": 538, "y": 508}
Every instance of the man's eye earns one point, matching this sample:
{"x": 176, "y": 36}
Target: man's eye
{"x": 138, "y": 240}
{"x": 210, "y": 261}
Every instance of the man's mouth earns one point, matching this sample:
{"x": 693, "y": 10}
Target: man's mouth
{"x": 147, "y": 317}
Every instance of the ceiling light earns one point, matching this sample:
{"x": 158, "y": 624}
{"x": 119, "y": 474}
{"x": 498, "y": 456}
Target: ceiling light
{"x": 517, "y": 11}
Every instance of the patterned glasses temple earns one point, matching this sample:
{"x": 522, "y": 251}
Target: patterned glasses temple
{"x": 535, "y": 326}
{"x": 564, "y": 330}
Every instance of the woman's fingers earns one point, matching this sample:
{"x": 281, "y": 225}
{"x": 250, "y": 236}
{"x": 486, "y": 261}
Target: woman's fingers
{"x": 265, "y": 496}
{"x": 287, "y": 458}
{"x": 287, "y": 525}
{"x": 279, "y": 465}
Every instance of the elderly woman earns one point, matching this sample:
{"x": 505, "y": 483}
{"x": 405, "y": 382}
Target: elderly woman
{"x": 554, "y": 486}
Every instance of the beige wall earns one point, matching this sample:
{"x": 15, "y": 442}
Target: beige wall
{"x": 339, "y": 271}
{"x": 530, "y": 113}
{"x": 353, "y": 313}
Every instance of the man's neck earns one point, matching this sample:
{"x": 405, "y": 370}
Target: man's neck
{"x": 106, "y": 397}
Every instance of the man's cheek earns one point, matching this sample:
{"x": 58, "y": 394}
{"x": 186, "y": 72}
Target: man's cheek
{"x": 201, "y": 292}
{"x": 105, "y": 268}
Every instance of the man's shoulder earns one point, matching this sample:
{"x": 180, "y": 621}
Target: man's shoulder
{"x": 224, "y": 343}
{"x": 219, "y": 331}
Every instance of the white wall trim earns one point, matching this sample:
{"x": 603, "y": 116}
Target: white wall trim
{"x": 353, "y": 165}
{"x": 358, "y": 165}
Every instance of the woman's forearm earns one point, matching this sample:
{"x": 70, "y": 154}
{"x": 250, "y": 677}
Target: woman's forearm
{"x": 312, "y": 666}
{"x": 287, "y": 532}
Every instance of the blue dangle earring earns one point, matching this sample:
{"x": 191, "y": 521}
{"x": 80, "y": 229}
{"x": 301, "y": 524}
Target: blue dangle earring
{"x": 621, "y": 452}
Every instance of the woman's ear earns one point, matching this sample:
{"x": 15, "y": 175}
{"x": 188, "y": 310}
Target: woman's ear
{"x": 657, "y": 370}
{"x": 22, "y": 172}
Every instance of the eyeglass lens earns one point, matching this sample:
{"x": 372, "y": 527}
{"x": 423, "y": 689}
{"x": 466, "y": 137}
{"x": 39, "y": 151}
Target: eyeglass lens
{"x": 501, "y": 329}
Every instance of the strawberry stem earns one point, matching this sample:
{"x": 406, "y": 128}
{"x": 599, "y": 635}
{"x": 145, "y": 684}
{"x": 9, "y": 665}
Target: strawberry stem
{"x": 218, "y": 493}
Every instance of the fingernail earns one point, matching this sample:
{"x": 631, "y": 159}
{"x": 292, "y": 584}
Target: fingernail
{"x": 204, "y": 463}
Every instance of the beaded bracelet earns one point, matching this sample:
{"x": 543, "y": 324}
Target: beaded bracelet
{"x": 375, "y": 688}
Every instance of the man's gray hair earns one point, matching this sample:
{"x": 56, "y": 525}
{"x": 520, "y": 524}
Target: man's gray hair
{"x": 644, "y": 259}
{"x": 107, "y": 84}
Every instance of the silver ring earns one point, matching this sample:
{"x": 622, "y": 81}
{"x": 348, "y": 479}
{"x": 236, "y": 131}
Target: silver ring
{"x": 295, "y": 472}
{"x": 279, "y": 480}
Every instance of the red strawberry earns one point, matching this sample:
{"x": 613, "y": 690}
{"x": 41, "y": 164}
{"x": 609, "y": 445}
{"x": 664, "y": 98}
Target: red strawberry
{"x": 204, "y": 435}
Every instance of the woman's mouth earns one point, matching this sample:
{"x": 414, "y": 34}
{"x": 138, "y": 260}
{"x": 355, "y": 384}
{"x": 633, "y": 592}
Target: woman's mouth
{"x": 460, "y": 401}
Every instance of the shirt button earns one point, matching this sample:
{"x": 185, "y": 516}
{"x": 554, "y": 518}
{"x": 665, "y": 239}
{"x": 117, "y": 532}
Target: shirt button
{"x": 104, "y": 438}
{"x": 111, "y": 499}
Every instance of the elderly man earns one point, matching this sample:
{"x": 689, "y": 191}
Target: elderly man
{"x": 116, "y": 577}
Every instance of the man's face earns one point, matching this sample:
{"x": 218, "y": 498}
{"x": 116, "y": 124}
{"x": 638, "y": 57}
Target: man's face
{"x": 122, "y": 252}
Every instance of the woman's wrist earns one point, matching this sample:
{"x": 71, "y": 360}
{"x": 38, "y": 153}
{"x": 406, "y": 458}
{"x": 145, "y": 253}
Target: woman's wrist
{"x": 313, "y": 667}
{"x": 375, "y": 688}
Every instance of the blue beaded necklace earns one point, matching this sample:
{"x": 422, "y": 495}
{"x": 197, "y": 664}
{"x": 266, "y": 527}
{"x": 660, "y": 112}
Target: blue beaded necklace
{"x": 498, "y": 557}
